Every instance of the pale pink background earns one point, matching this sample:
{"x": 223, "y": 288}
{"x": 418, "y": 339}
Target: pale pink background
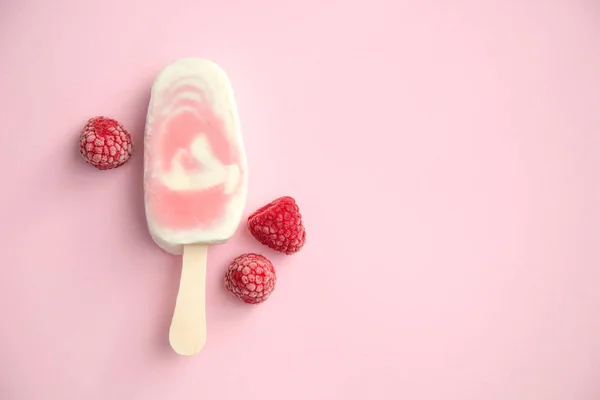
{"x": 445, "y": 155}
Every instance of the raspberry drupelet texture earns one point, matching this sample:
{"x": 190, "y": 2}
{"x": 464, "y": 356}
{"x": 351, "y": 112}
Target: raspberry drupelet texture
{"x": 279, "y": 225}
{"x": 251, "y": 277}
{"x": 105, "y": 144}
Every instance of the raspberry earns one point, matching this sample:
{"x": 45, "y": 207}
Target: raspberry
{"x": 279, "y": 225}
{"x": 251, "y": 277}
{"x": 105, "y": 144}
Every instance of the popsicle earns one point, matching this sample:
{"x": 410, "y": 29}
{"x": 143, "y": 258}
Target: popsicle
{"x": 195, "y": 180}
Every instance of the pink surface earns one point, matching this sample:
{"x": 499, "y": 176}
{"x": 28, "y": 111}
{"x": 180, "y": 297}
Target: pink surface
{"x": 445, "y": 155}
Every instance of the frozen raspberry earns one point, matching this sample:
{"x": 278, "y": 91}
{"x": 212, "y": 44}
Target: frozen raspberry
{"x": 251, "y": 277}
{"x": 105, "y": 144}
{"x": 279, "y": 225}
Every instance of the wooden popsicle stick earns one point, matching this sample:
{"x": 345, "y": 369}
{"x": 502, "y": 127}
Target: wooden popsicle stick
{"x": 187, "y": 334}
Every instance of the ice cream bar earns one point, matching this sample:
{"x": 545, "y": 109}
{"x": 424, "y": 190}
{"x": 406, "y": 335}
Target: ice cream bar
{"x": 195, "y": 179}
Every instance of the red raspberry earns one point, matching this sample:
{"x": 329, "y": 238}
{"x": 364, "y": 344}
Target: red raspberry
{"x": 105, "y": 144}
{"x": 279, "y": 225}
{"x": 251, "y": 277}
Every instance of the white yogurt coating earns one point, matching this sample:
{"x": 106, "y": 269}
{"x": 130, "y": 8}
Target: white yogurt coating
{"x": 199, "y": 91}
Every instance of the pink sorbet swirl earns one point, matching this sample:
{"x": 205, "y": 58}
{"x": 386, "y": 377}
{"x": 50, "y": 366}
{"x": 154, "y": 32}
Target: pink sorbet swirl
{"x": 184, "y": 115}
